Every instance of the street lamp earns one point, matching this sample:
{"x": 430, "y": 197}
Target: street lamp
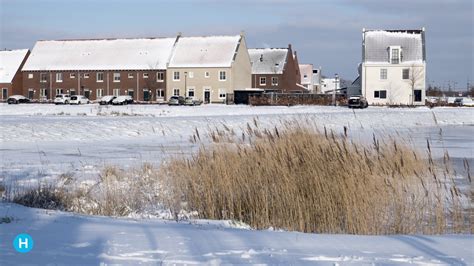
{"x": 185, "y": 80}
{"x": 336, "y": 78}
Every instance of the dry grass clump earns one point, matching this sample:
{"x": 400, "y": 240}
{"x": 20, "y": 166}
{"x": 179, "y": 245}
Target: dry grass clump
{"x": 296, "y": 178}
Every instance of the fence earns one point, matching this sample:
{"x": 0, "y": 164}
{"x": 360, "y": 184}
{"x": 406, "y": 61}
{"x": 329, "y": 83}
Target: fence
{"x": 289, "y": 99}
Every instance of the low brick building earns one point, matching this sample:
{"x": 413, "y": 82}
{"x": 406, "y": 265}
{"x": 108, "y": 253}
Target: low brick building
{"x": 275, "y": 69}
{"x": 11, "y": 81}
{"x": 95, "y": 68}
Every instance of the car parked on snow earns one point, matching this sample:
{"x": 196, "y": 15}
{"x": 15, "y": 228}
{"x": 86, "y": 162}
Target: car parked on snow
{"x": 62, "y": 99}
{"x": 108, "y": 99}
{"x": 458, "y": 101}
{"x": 79, "y": 99}
{"x": 16, "y": 99}
{"x": 467, "y": 102}
{"x": 358, "y": 102}
{"x": 176, "y": 100}
{"x": 122, "y": 100}
{"x": 192, "y": 102}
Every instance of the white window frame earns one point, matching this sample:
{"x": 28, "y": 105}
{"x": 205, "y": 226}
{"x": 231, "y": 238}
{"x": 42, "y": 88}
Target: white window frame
{"x": 145, "y": 75}
{"x": 190, "y": 74}
{"x": 160, "y": 93}
{"x": 264, "y": 83}
{"x": 116, "y": 92}
{"x": 191, "y": 89}
{"x": 222, "y": 77}
{"x": 399, "y": 54}
{"x": 59, "y": 91}
{"x": 222, "y": 92}
{"x": 43, "y": 75}
{"x": 403, "y": 73}
{"x": 176, "y": 76}
{"x": 99, "y": 93}
{"x": 30, "y": 75}
{"x": 97, "y": 76}
{"x": 59, "y": 77}
{"x": 176, "y": 92}
{"x": 160, "y": 76}
{"x": 86, "y": 75}
{"x": 274, "y": 83}
{"x": 383, "y": 74}
{"x": 130, "y": 75}
{"x": 116, "y": 77}
{"x": 43, "y": 92}
{"x": 72, "y": 75}
{"x": 207, "y": 74}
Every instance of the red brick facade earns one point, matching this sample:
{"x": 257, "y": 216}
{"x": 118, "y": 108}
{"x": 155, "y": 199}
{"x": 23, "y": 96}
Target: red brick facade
{"x": 44, "y": 85}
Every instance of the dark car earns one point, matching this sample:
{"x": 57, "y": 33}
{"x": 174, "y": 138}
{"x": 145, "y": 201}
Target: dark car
{"x": 176, "y": 100}
{"x": 358, "y": 102}
{"x": 106, "y": 100}
{"x": 16, "y": 99}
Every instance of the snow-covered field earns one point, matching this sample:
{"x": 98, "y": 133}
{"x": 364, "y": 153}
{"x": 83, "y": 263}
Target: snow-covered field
{"x": 41, "y": 141}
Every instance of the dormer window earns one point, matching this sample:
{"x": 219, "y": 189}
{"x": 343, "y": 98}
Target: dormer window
{"x": 395, "y": 54}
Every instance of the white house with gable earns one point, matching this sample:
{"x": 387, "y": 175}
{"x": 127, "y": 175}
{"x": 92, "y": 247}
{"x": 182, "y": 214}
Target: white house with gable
{"x": 393, "y": 69}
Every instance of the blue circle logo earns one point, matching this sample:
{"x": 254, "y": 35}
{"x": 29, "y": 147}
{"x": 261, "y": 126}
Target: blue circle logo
{"x": 23, "y": 243}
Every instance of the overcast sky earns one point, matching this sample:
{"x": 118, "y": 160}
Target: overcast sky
{"x": 324, "y": 33}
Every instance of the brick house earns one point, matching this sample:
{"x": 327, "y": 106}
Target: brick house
{"x": 11, "y": 81}
{"x": 95, "y": 68}
{"x": 275, "y": 69}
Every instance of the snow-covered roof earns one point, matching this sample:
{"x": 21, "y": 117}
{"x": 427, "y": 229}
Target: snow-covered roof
{"x": 10, "y": 62}
{"x": 103, "y": 54}
{"x": 306, "y": 70}
{"x": 207, "y": 51}
{"x": 268, "y": 60}
{"x": 377, "y": 43}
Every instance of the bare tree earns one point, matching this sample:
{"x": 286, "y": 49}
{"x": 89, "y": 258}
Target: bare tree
{"x": 415, "y": 77}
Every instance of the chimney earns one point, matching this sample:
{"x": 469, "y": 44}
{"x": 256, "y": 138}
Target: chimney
{"x": 289, "y": 46}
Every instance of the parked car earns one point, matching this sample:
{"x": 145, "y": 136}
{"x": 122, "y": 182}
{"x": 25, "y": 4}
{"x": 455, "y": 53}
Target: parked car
{"x": 122, "y": 100}
{"x": 62, "y": 99}
{"x": 79, "y": 99}
{"x": 192, "y": 102}
{"x": 467, "y": 102}
{"x": 16, "y": 99}
{"x": 176, "y": 100}
{"x": 458, "y": 102}
{"x": 108, "y": 99}
{"x": 358, "y": 102}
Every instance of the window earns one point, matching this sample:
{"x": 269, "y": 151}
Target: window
{"x": 222, "y": 94}
{"x": 117, "y": 77}
{"x": 382, "y": 94}
{"x": 406, "y": 73}
{"x": 160, "y": 76}
{"x": 59, "y": 77}
{"x": 43, "y": 77}
{"x": 72, "y": 75}
{"x": 130, "y": 75}
{"x": 116, "y": 92}
{"x": 395, "y": 54}
{"x": 190, "y": 92}
{"x": 274, "y": 81}
{"x": 176, "y": 75}
{"x": 44, "y": 93}
{"x": 145, "y": 75}
{"x": 100, "y": 77}
{"x": 59, "y": 91}
{"x": 222, "y": 76}
{"x": 176, "y": 92}
{"x": 417, "y": 95}
{"x": 86, "y": 75}
{"x": 191, "y": 74}
{"x": 99, "y": 93}
{"x": 207, "y": 74}
{"x": 160, "y": 93}
{"x": 263, "y": 81}
{"x": 4, "y": 93}
{"x": 30, "y": 75}
{"x": 383, "y": 73}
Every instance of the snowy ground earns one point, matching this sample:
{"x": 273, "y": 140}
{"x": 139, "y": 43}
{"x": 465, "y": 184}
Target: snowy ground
{"x": 40, "y": 142}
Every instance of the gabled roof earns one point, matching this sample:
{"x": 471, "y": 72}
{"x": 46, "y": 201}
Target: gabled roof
{"x": 208, "y": 51}
{"x": 101, "y": 54}
{"x": 377, "y": 42}
{"x": 10, "y": 62}
{"x": 268, "y": 60}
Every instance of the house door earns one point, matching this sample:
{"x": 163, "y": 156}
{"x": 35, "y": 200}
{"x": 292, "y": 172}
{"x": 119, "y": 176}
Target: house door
{"x": 130, "y": 93}
{"x": 31, "y": 94}
{"x": 207, "y": 96}
{"x": 417, "y": 95}
{"x": 87, "y": 93}
{"x": 146, "y": 95}
{"x": 4, "y": 93}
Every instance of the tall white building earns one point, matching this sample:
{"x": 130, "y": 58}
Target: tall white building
{"x": 393, "y": 69}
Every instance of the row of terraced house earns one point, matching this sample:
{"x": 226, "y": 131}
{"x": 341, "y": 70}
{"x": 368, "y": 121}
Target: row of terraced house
{"x": 208, "y": 68}
{"x": 150, "y": 69}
